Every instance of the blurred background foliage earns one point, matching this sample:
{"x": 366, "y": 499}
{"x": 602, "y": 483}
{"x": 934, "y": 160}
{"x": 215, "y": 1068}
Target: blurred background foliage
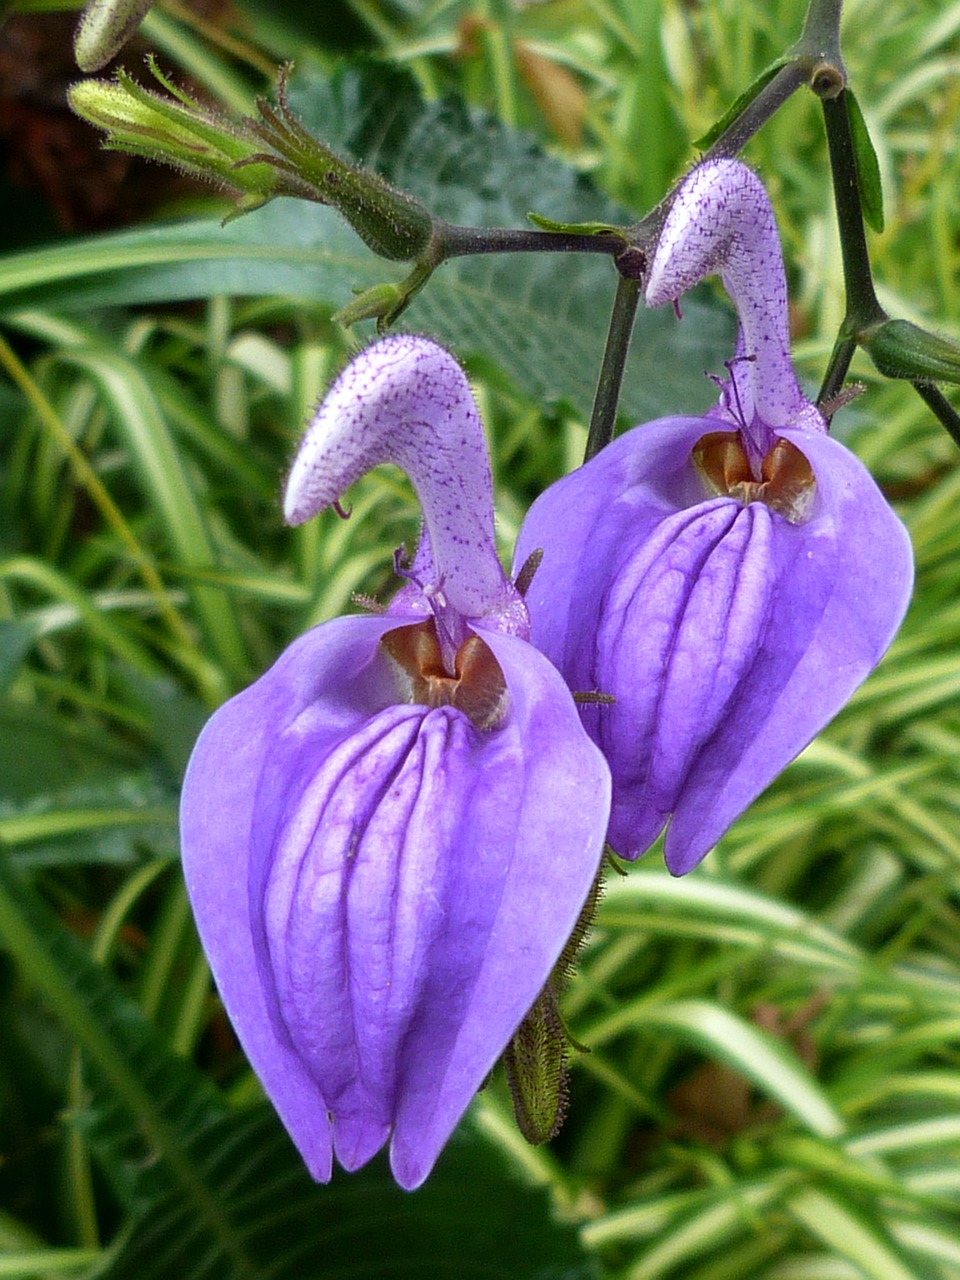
{"x": 773, "y": 1086}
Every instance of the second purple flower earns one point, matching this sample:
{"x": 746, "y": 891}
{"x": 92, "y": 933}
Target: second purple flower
{"x": 729, "y": 580}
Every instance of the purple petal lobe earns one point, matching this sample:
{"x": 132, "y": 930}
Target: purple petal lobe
{"x": 727, "y": 633}
{"x": 216, "y": 821}
{"x": 383, "y": 890}
{"x": 844, "y": 597}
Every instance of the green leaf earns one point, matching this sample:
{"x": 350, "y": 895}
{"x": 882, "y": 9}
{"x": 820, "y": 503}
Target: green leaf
{"x": 541, "y": 317}
{"x": 16, "y": 639}
{"x": 470, "y": 1218}
{"x": 852, "y": 1234}
{"x": 41, "y": 754}
{"x": 767, "y": 1062}
{"x": 160, "y": 466}
{"x": 740, "y": 105}
{"x": 868, "y": 167}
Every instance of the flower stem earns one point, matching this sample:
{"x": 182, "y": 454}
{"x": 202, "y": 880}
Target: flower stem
{"x": 941, "y": 407}
{"x": 451, "y": 241}
{"x": 837, "y": 368}
{"x": 604, "y": 416}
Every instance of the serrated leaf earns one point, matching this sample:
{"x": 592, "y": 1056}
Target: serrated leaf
{"x": 541, "y": 317}
{"x": 740, "y": 104}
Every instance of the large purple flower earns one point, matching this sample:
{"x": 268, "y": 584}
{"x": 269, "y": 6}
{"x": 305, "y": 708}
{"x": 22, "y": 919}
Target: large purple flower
{"x": 388, "y": 838}
{"x": 729, "y": 580}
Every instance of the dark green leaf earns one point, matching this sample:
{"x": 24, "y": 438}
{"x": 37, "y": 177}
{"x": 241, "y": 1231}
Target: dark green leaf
{"x": 471, "y": 1218}
{"x": 40, "y": 754}
{"x": 868, "y": 167}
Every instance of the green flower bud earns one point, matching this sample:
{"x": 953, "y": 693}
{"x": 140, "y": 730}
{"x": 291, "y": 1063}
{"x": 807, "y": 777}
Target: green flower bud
{"x": 260, "y": 158}
{"x": 900, "y": 349}
{"x": 391, "y": 223}
{"x": 176, "y": 130}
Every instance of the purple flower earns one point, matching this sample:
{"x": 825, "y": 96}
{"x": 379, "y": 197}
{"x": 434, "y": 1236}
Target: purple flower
{"x": 388, "y": 838}
{"x": 729, "y": 580}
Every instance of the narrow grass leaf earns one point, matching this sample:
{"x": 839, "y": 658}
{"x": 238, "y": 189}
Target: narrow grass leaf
{"x": 767, "y": 1062}
{"x": 851, "y": 1234}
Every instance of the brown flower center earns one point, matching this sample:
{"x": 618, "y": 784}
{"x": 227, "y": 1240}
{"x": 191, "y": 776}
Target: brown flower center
{"x": 476, "y": 687}
{"x": 787, "y": 483}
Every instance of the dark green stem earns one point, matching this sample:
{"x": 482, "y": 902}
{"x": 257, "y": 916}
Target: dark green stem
{"x": 821, "y": 31}
{"x": 938, "y": 403}
{"x": 837, "y": 369}
{"x": 604, "y": 417}
{"x": 456, "y": 242}
{"x": 769, "y": 100}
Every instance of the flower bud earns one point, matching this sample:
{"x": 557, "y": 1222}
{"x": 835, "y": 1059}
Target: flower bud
{"x": 261, "y": 158}
{"x": 900, "y": 349}
{"x": 105, "y": 27}
{"x": 177, "y": 131}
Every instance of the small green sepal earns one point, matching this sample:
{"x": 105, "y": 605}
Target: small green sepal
{"x": 178, "y": 131}
{"x": 535, "y": 1060}
{"x": 900, "y": 349}
{"x": 391, "y": 223}
{"x": 868, "y": 167}
{"x": 384, "y": 302}
{"x": 574, "y": 228}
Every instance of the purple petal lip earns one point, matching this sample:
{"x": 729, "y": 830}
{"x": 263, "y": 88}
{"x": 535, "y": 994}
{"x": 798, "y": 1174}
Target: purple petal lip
{"x": 382, "y": 890}
{"x": 728, "y": 636}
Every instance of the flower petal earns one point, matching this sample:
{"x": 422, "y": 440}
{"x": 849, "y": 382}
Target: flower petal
{"x": 405, "y": 400}
{"x": 728, "y": 636}
{"x": 216, "y": 819}
{"x": 532, "y": 845}
{"x": 853, "y": 577}
{"x": 386, "y": 891}
{"x": 582, "y": 523}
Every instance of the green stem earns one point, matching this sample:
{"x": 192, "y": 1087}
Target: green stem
{"x": 821, "y": 31}
{"x": 769, "y": 100}
{"x": 456, "y": 242}
{"x": 938, "y": 403}
{"x": 604, "y": 417}
{"x": 837, "y": 369}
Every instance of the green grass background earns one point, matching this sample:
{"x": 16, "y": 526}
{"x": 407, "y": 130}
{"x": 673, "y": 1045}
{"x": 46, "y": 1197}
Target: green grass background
{"x": 773, "y": 1083}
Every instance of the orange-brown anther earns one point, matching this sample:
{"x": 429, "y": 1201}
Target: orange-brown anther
{"x": 787, "y": 483}
{"x": 477, "y": 687}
